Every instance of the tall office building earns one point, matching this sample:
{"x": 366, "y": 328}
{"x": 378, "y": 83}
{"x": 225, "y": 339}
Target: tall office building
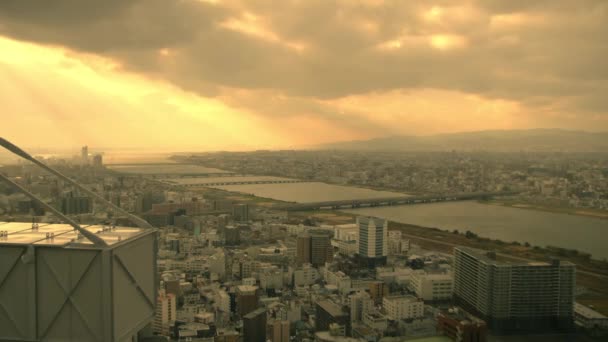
{"x": 232, "y": 236}
{"x": 254, "y": 326}
{"x": 145, "y": 201}
{"x": 278, "y": 331}
{"x": 84, "y": 155}
{"x": 303, "y": 249}
{"x": 515, "y": 297}
{"x": 314, "y": 248}
{"x": 72, "y": 205}
{"x": 240, "y": 212}
{"x": 373, "y": 241}
{"x": 328, "y": 313}
{"x": 321, "y": 250}
{"x": 246, "y": 299}
{"x": 98, "y": 160}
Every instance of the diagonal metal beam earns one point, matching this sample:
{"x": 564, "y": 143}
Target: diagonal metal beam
{"x": 18, "y": 151}
{"x": 68, "y": 294}
{"x": 8, "y": 275}
{"x": 11, "y": 319}
{"x": 13, "y": 267}
{"x": 96, "y": 240}
{"x": 134, "y": 281}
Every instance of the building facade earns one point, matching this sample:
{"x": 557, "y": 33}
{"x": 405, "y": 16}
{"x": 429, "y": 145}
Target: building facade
{"x": 373, "y": 240}
{"x": 403, "y": 307}
{"x": 522, "y": 297}
{"x": 433, "y": 287}
{"x": 254, "y": 326}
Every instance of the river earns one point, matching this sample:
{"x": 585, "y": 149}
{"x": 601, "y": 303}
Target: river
{"x": 540, "y": 228}
{"x": 309, "y": 192}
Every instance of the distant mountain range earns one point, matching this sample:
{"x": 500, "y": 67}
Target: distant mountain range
{"x": 534, "y": 140}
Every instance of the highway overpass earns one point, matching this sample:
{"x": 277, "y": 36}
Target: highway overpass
{"x": 388, "y": 201}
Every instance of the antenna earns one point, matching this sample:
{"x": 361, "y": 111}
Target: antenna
{"x": 141, "y": 223}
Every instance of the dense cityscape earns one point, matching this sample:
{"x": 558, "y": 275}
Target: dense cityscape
{"x": 303, "y": 171}
{"x": 553, "y": 179}
{"x": 234, "y": 267}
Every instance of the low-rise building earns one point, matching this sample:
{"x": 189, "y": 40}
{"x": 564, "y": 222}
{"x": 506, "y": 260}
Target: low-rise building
{"x": 403, "y": 307}
{"x": 432, "y": 286}
{"x": 588, "y": 318}
{"x": 461, "y": 326}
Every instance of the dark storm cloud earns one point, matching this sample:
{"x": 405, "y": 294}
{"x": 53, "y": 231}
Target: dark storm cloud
{"x": 526, "y": 51}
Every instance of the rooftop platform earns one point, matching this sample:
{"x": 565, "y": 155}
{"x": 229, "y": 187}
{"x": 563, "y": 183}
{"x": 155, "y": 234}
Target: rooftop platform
{"x": 61, "y": 235}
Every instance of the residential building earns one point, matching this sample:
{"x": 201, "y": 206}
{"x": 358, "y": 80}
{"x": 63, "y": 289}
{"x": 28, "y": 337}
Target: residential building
{"x": 432, "y": 286}
{"x": 460, "y": 326}
{"x": 515, "y": 297}
{"x": 378, "y": 290}
{"x": 166, "y": 312}
{"x": 360, "y": 304}
{"x": 278, "y": 331}
{"x": 589, "y": 319}
{"x": 403, "y": 307}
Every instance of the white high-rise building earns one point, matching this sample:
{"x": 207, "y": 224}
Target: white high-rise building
{"x": 373, "y": 238}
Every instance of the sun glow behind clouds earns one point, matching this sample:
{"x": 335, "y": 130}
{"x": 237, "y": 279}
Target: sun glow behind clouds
{"x": 447, "y": 41}
{"x": 73, "y": 99}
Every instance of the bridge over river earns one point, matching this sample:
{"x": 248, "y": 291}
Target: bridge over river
{"x": 200, "y": 182}
{"x": 403, "y": 200}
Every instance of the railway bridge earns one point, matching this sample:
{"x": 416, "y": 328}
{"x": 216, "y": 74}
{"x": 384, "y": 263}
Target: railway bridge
{"x": 390, "y": 201}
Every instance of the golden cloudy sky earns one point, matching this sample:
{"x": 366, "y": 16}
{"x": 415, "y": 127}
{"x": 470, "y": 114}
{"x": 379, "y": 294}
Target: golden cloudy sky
{"x": 243, "y": 74}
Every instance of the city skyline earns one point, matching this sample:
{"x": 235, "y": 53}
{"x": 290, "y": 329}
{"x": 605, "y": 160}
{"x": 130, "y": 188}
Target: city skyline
{"x": 233, "y": 75}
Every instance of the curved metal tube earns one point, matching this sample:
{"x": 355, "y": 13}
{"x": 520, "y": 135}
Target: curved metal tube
{"x": 141, "y": 223}
{"x": 96, "y": 240}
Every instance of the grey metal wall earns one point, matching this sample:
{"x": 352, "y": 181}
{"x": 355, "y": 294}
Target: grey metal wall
{"x": 17, "y": 295}
{"x": 77, "y": 294}
{"x": 134, "y": 285}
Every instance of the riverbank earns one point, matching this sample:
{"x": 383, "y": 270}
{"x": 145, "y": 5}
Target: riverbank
{"x": 595, "y": 213}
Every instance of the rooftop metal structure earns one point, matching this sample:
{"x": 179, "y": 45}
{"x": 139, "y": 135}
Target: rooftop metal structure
{"x": 56, "y": 285}
{"x": 67, "y": 282}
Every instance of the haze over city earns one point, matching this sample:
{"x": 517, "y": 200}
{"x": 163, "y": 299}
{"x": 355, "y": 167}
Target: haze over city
{"x": 237, "y": 75}
{"x": 303, "y": 170}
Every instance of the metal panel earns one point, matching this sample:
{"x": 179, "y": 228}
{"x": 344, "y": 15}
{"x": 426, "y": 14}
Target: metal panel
{"x": 69, "y": 304}
{"x": 16, "y": 295}
{"x": 133, "y": 285}
{"x": 57, "y": 288}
